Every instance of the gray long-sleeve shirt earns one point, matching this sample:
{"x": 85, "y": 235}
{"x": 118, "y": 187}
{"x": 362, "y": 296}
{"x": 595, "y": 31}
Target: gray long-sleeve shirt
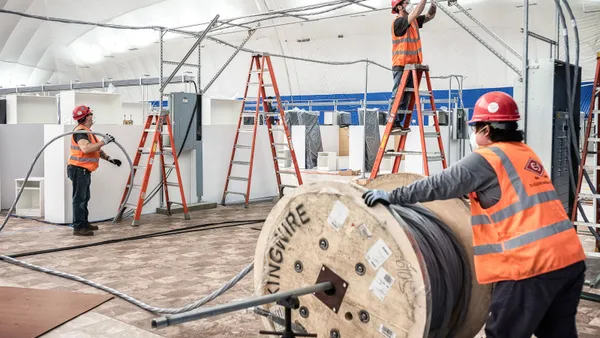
{"x": 471, "y": 174}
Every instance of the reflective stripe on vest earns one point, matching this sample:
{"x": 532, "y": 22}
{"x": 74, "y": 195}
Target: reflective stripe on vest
{"x": 525, "y": 202}
{"x": 84, "y": 159}
{"x": 407, "y": 52}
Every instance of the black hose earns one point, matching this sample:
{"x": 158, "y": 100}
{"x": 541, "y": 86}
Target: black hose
{"x": 193, "y": 228}
{"x": 447, "y": 267}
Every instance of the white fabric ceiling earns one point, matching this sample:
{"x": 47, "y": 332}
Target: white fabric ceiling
{"x": 34, "y": 52}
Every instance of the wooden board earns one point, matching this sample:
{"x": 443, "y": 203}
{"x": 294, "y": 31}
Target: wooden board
{"x": 26, "y": 313}
{"x": 336, "y": 212}
{"x": 456, "y": 215}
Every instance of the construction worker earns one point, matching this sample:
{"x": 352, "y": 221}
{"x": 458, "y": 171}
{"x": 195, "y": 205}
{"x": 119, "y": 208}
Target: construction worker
{"x": 83, "y": 160}
{"x": 523, "y": 239}
{"x": 406, "y": 47}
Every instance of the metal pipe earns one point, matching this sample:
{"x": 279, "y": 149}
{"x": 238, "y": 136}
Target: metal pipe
{"x": 489, "y": 31}
{"x": 236, "y": 306}
{"x": 478, "y": 38}
{"x": 189, "y": 53}
{"x": 557, "y": 34}
{"x": 364, "y": 165}
{"x": 237, "y": 50}
{"x": 525, "y": 73}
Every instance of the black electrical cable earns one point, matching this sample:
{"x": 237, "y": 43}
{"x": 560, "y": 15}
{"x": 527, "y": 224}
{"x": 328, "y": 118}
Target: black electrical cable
{"x": 447, "y": 267}
{"x": 193, "y": 228}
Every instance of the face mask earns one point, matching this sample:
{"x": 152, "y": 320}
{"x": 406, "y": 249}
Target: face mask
{"x": 409, "y": 7}
{"x": 473, "y": 141}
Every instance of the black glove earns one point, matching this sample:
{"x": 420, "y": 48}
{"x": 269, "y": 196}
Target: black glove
{"x": 373, "y": 197}
{"x": 115, "y": 161}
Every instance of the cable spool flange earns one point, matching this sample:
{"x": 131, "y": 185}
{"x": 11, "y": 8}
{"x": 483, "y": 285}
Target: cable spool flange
{"x": 391, "y": 295}
{"x": 454, "y": 213}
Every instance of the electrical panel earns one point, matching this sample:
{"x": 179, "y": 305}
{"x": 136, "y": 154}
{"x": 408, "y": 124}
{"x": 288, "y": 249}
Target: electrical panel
{"x": 186, "y": 115}
{"x": 2, "y": 111}
{"x": 548, "y": 125}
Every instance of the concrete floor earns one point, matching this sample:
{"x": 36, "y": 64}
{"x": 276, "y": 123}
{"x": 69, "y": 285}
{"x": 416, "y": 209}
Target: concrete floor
{"x": 169, "y": 271}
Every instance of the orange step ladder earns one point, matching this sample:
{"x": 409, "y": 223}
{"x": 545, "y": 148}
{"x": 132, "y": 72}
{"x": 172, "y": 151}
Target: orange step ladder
{"x": 155, "y": 124}
{"x": 260, "y": 65}
{"x": 416, "y": 71}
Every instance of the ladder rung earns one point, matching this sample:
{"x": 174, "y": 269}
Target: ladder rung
{"x": 235, "y": 193}
{"x": 246, "y": 130}
{"x": 421, "y": 92}
{"x": 416, "y": 66}
{"x": 240, "y": 162}
{"x": 241, "y": 146}
{"x": 281, "y": 144}
{"x": 289, "y": 172}
{"x": 139, "y": 167}
{"x": 154, "y": 131}
{"x": 178, "y": 203}
{"x": 272, "y": 114}
{"x": 136, "y": 186}
{"x": 594, "y": 225}
{"x": 589, "y": 195}
{"x": 169, "y": 166}
{"x": 593, "y": 139}
{"x": 259, "y": 70}
{"x": 276, "y": 129}
{"x": 288, "y": 186}
{"x": 147, "y": 150}
{"x": 399, "y": 131}
{"x": 172, "y": 184}
{"x": 431, "y": 134}
{"x": 235, "y": 178}
{"x": 428, "y": 112}
{"x": 264, "y": 84}
{"x": 282, "y": 158}
{"x": 132, "y": 206}
{"x": 407, "y": 152}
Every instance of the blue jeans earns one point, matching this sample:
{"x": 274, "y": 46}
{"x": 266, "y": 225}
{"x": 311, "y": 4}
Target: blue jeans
{"x": 81, "y": 178}
{"x": 405, "y": 99}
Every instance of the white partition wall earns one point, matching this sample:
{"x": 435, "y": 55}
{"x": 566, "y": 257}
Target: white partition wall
{"x": 19, "y": 143}
{"x": 108, "y": 182}
{"x": 31, "y": 109}
{"x": 217, "y": 111}
{"x": 107, "y": 107}
{"x": 217, "y": 146}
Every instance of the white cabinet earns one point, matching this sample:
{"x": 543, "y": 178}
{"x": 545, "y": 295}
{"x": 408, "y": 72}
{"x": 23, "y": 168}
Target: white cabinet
{"x": 327, "y": 161}
{"x": 31, "y": 202}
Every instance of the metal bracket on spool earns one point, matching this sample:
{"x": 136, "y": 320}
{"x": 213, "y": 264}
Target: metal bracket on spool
{"x": 289, "y": 303}
{"x": 334, "y": 297}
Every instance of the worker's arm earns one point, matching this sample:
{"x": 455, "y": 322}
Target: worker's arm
{"x": 88, "y": 147}
{"x": 472, "y": 173}
{"x": 431, "y": 13}
{"x": 412, "y": 16}
{"x": 103, "y": 155}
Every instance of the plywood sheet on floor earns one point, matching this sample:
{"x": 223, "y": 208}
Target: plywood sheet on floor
{"x": 29, "y": 313}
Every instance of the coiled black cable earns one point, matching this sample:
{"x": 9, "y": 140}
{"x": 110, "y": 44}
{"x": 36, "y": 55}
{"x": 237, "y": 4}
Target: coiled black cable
{"x": 447, "y": 267}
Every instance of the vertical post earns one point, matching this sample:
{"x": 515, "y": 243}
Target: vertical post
{"x": 160, "y": 92}
{"x": 364, "y": 165}
{"x": 557, "y": 35}
{"x": 525, "y": 73}
{"x": 199, "y": 79}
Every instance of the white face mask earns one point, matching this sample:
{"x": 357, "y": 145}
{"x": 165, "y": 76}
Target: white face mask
{"x": 410, "y": 7}
{"x": 473, "y": 141}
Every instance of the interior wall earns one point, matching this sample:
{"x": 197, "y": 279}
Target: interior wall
{"x": 19, "y": 143}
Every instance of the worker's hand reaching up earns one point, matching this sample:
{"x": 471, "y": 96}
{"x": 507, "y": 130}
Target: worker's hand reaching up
{"x": 373, "y": 197}
{"x": 108, "y": 139}
{"x": 114, "y": 161}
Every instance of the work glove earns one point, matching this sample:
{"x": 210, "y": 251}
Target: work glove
{"x": 373, "y": 197}
{"x": 108, "y": 139}
{"x": 114, "y": 161}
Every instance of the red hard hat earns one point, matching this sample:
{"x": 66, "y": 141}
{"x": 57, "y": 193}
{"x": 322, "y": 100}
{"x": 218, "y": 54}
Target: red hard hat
{"x": 394, "y": 4}
{"x": 495, "y": 107}
{"x": 80, "y": 112}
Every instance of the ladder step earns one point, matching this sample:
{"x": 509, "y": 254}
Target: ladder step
{"x": 288, "y": 172}
{"x": 282, "y": 158}
{"x": 240, "y": 162}
{"x": 430, "y": 157}
{"x": 257, "y": 83}
{"x": 235, "y": 193}
{"x": 132, "y": 206}
{"x": 431, "y": 134}
{"x": 235, "y": 178}
{"x": 136, "y": 186}
{"x": 421, "y": 92}
{"x": 246, "y": 130}
{"x": 242, "y": 146}
{"x": 594, "y": 225}
{"x": 281, "y": 144}
{"x": 259, "y": 70}
{"x": 172, "y": 184}
{"x": 589, "y": 195}
{"x": 399, "y": 131}
{"x": 139, "y": 167}
{"x": 287, "y": 186}
{"x": 146, "y": 151}
{"x": 593, "y": 139}
{"x": 154, "y": 131}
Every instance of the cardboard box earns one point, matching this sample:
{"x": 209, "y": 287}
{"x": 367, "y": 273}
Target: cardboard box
{"x": 344, "y": 142}
{"x": 349, "y": 172}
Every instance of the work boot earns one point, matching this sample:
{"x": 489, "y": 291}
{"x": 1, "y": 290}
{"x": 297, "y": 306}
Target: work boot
{"x": 83, "y": 232}
{"x": 92, "y": 227}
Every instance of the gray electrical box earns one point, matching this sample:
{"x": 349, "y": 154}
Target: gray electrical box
{"x": 186, "y": 115}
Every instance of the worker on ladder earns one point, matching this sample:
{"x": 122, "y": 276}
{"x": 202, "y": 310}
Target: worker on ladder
{"x": 84, "y": 159}
{"x": 523, "y": 238}
{"x": 406, "y": 46}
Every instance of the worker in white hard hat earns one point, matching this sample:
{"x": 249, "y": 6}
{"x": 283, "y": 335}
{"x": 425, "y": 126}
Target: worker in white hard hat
{"x": 406, "y": 46}
{"x": 523, "y": 239}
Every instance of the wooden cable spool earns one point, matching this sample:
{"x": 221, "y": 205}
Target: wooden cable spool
{"x": 324, "y": 232}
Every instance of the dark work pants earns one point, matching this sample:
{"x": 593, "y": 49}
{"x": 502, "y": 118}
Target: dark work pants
{"x": 544, "y": 305}
{"x": 81, "y": 178}
{"x": 405, "y": 99}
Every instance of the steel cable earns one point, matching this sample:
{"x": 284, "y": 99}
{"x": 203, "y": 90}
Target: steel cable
{"x": 447, "y": 265}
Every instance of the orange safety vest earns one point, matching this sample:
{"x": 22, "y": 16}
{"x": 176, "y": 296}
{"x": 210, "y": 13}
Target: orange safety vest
{"x": 528, "y": 232}
{"x": 79, "y": 158}
{"x": 406, "y": 49}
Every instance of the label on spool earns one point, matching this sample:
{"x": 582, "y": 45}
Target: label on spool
{"x": 382, "y": 284}
{"x": 338, "y": 215}
{"x": 386, "y": 332}
{"x": 378, "y": 254}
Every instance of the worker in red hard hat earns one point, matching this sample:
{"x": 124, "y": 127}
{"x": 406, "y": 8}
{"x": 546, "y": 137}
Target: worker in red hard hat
{"x": 83, "y": 160}
{"x": 523, "y": 239}
{"x": 406, "y": 46}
